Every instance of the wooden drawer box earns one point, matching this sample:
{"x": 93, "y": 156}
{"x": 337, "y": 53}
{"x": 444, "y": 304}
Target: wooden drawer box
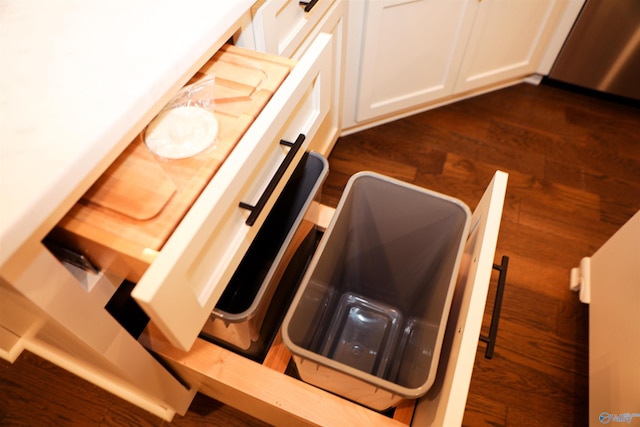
{"x": 127, "y": 216}
{"x": 269, "y": 391}
{"x": 182, "y": 256}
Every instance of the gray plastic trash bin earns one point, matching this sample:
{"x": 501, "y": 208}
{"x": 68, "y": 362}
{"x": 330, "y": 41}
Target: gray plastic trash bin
{"x": 246, "y": 316}
{"x": 369, "y": 318}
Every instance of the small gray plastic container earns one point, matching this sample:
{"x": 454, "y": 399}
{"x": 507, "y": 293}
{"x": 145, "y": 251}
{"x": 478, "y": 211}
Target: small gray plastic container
{"x": 369, "y": 318}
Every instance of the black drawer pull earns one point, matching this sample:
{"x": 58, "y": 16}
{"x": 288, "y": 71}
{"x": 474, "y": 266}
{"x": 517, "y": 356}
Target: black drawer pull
{"x": 497, "y": 306}
{"x": 262, "y": 201}
{"x": 308, "y": 5}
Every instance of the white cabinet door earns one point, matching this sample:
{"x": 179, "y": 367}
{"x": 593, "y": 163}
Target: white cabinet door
{"x": 411, "y": 51}
{"x": 444, "y": 404}
{"x": 508, "y": 40}
{"x": 609, "y": 281}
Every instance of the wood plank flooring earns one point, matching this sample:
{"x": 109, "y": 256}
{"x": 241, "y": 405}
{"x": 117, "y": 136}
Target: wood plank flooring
{"x": 574, "y": 165}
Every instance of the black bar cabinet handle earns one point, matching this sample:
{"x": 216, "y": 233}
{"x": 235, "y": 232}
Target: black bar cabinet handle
{"x": 308, "y": 5}
{"x": 262, "y": 201}
{"x": 497, "y": 306}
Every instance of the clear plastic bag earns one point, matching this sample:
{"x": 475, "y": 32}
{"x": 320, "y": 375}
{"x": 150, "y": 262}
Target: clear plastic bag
{"x": 199, "y": 94}
{"x": 186, "y": 126}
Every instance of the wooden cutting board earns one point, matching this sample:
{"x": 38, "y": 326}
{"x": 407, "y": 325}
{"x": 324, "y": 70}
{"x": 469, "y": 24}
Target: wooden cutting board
{"x": 141, "y": 198}
{"x": 135, "y": 185}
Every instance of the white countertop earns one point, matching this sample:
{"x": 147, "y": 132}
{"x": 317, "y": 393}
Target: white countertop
{"x": 79, "y": 79}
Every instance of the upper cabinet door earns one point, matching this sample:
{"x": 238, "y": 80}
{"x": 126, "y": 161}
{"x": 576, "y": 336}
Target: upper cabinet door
{"x": 508, "y": 40}
{"x": 411, "y": 51}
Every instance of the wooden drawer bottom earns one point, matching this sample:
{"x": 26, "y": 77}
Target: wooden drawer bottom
{"x": 265, "y": 390}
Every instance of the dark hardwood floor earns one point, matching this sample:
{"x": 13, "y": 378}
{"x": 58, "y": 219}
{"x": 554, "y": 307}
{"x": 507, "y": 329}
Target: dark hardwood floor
{"x": 574, "y": 179}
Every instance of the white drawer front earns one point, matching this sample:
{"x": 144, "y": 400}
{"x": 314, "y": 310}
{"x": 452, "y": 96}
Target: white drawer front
{"x": 181, "y": 287}
{"x": 281, "y": 25}
{"x": 444, "y": 405}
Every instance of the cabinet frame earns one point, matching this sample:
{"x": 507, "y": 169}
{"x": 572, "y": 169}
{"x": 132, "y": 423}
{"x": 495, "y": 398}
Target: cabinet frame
{"x": 280, "y": 26}
{"x": 62, "y": 317}
{"x": 260, "y": 389}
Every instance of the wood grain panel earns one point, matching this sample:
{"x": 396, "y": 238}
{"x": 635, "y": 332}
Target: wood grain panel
{"x": 522, "y": 382}
{"x": 484, "y": 412}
